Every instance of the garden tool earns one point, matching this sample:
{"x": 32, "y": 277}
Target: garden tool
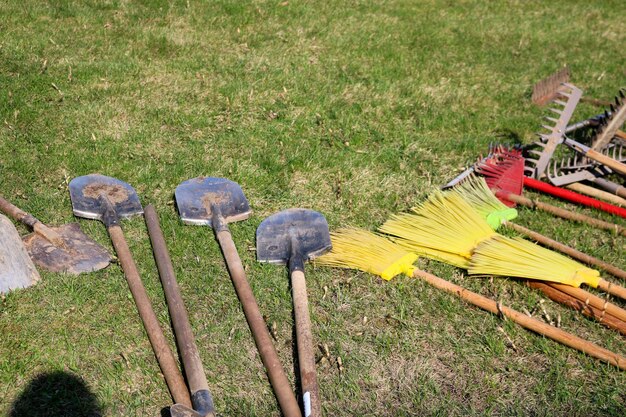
{"x": 546, "y": 90}
{"x": 292, "y": 237}
{"x": 59, "y": 249}
{"x": 215, "y": 202}
{"x": 366, "y": 251}
{"x": 201, "y": 398}
{"x": 110, "y": 200}
{"x": 16, "y": 268}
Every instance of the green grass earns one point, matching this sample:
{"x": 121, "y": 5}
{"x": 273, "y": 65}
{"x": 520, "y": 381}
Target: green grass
{"x": 354, "y": 108}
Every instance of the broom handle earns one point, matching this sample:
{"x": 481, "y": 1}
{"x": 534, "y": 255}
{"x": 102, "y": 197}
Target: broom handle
{"x": 590, "y": 299}
{"x": 613, "y": 289}
{"x": 574, "y": 253}
{"x": 588, "y": 310}
{"x": 523, "y": 320}
{"x": 559, "y": 212}
{"x": 573, "y": 197}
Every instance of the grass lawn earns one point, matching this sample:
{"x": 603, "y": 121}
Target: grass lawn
{"x": 357, "y": 109}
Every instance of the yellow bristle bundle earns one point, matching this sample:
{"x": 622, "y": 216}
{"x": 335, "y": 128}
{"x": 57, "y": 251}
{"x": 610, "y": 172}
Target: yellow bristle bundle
{"x": 369, "y": 252}
{"x": 517, "y": 257}
{"x": 443, "y": 224}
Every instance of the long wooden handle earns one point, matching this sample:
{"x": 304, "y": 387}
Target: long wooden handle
{"x": 276, "y": 374}
{"x": 161, "y": 348}
{"x": 306, "y": 352}
{"x": 198, "y": 385}
{"x": 574, "y": 253}
{"x": 615, "y": 165}
{"x": 613, "y": 289}
{"x": 523, "y": 320}
{"x": 559, "y": 212}
{"x": 613, "y": 198}
{"x": 29, "y": 220}
{"x": 586, "y": 309}
{"x": 591, "y": 299}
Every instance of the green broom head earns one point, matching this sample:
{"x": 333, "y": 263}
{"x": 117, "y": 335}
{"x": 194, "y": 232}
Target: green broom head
{"x": 369, "y": 252}
{"x": 444, "y": 227}
{"x": 477, "y": 193}
{"x": 516, "y": 257}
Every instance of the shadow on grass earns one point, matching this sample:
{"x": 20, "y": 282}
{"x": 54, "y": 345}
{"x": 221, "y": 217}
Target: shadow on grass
{"x": 56, "y": 394}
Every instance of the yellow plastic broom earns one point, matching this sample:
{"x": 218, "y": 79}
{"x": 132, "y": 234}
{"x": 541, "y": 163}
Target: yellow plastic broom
{"x": 447, "y": 225}
{"x": 359, "y": 249}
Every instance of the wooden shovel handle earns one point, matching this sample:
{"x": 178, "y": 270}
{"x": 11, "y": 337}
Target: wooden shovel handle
{"x": 275, "y": 372}
{"x": 559, "y": 212}
{"x": 306, "y": 352}
{"x": 574, "y": 253}
{"x": 588, "y": 310}
{"x": 29, "y": 220}
{"x": 523, "y": 320}
{"x": 161, "y": 348}
{"x": 198, "y": 385}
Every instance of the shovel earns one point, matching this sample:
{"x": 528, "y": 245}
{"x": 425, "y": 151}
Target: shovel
{"x": 108, "y": 199}
{"x": 292, "y": 237}
{"x": 16, "y": 268}
{"x": 200, "y": 394}
{"x": 59, "y": 249}
{"x": 215, "y": 202}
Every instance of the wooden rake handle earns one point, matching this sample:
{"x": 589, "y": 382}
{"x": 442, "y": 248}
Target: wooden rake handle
{"x": 599, "y": 314}
{"x": 161, "y": 348}
{"x": 523, "y": 320}
{"x": 306, "y": 352}
{"x": 559, "y": 212}
{"x": 275, "y": 372}
{"x": 574, "y": 253}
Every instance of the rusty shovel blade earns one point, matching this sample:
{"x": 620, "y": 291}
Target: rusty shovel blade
{"x": 296, "y": 232}
{"x": 78, "y": 254}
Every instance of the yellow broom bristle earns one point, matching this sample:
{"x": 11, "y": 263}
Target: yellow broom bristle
{"x": 366, "y": 251}
{"x": 444, "y": 224}
{"x": 517, "y": 257}
{"x": 476, "y": 192}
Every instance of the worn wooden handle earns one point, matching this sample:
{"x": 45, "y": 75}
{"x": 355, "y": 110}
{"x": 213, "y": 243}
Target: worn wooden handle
{"x": 198, "y": 385}
{"x": 613, "y": 198}
{"x": 258, "y": 327}
{"x": 591, "y": 299}
{"x": 616, "y": 166}
{"x": 559, "y": 212}
{"x": 523, "y": 320}
{"x": 29, "y": 220}
{"x": 613, "y": 289}
{"x": 601, "y": 315}
{"x": 161, "y": 348}
{"x": 574, "y": 253}
{"x": 306, "y": 351}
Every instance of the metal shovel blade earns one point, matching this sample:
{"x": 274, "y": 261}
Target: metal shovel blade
{"x": 300, "y": 231}
{"x": 198, "y": 199}
{"x": 16, "y": 268}
{"x": 92, "y": 195}
{"x": 79, "y": 253}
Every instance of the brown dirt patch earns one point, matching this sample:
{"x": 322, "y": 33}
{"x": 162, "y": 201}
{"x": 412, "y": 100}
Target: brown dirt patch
{"x": 114, "y": 193}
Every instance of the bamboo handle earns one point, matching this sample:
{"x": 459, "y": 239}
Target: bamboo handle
{"x": 559, "y": 212}
{"x": 29, "y": 220}
{"x": 306, "y": 352}
{"x": 574, "y": 253}
{"x": 276, "y": 374}
{"x": 161, "y": 348}
{"x": 192, "y": 364}
{"x": 597, "y": 314}
{"x": 523, "y": 320}
{"x": 613, "y": 289}
{"x": 616, "y": 166}
{"x": 600, "y": 194}
{"x": 591, "y": 299}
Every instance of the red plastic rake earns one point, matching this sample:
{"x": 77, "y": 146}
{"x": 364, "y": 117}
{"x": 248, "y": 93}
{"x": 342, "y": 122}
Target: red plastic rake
{"x": 504, "y": 173}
